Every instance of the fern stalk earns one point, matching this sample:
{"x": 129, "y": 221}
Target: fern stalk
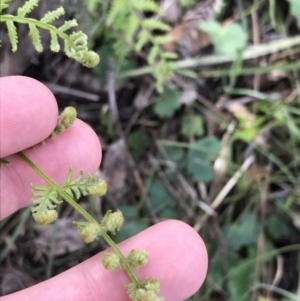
{"x": 130, "y": 273}
{"x": 38, "y": 23}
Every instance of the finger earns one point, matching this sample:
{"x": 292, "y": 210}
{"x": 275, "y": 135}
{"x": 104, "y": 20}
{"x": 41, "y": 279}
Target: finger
{"x": 177, "y": 258}
{"x": 28, "y": 113}
{"x": 78, "y": 147}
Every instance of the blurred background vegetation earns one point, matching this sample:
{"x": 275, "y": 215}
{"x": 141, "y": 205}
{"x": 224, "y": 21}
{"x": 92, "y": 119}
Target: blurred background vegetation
{"x": 196, "y": 105}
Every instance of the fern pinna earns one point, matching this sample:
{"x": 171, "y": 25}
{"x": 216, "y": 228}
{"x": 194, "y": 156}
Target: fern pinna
{"x": 47, "y": 198}
{"x": 141, "y": 31}
{"x": 75, "y": 44}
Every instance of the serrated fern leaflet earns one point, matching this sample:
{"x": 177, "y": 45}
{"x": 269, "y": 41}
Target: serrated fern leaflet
{"x": 75, "y": 44}
{"x": 48, "y": 196}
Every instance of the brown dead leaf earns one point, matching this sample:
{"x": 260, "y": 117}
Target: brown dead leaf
{"x": 187, "y": 35}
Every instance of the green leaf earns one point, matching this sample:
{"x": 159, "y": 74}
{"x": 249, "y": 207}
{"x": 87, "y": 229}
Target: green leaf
{"x": 154, "y": 24}
{"x": 67, "y": 25}
{"x": 144, "y": 37}
{"x": 12, "y": 34}
{"x": 169, "y": 55}
{"x": 191, "y": 126}
{"x": 153, "y": 54}
{"x": 138, "y": 142}
{"x": 168, "y": 103}
{"x": 240, "y": 277}
{"x": 105, "y": 52}
{"x": 129, "y": 212}
{"x": 162, "y": 39}
{"x": 244, "y": 232}
{"x": 295, "y": 10}
{"x": 145, "y": 5}
{"x": 50, "y": 16}
{"x": 187, "y": 3}
{"x": 54, "y": 45}
{"x": 133, "y": 26}
{"x": 199, "y": 156}
{"x": 160, "y": 198}
{"x": 201, "y": 171}
{"x": 35, "y": 37}
{"x": 4, "y": 4}
{"x": 227, "y": 40}
{"x": 175, "y": 153}
{"x": 277, "y": 227}
{"x": 119, "y": 7}
{"x": 27, "y": 8}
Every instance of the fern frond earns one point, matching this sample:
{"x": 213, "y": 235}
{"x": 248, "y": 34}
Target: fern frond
{"x": 142, "y": 40}
{"x": 145, "y": 6}
{"x": 187, "y": 3}
{"x": 154, "y": 24}
{"x": 67, "y": 25}
{"x": 44, "y": 197}
{"x": 169, "y": 55}
{"x": 75, "y": 44}
{"x": 159, "y": 40}
{"x": 4, "y": 4}
{"x": 133, "y": 25}
{"x": 35, "y": 38}
{"x": 153, "y": 54}
{"x": 78, "y": 187}
{"x": 12, "y": 34}
{"x": 54, "y": 45}
{"x": 119, "y": 7}
{"x": 45, "y": 201}
{"x": 27, "y": 7}
{"x": 48, "y": 197}
{"x": 51, "y": 16}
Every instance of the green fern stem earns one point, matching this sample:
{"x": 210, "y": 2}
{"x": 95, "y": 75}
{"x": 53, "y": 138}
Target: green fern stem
{"x": 127, "y": 268}
{"x": 38, "y": 23}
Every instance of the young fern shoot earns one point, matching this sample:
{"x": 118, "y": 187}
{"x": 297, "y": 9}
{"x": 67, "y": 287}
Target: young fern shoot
{"x": 75, "y": 44}
{"x": 47, "y": 198}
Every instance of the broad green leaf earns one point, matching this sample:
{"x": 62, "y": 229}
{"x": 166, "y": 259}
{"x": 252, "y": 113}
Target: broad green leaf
{"x": 138, "y": 142}
{"x": 202, "y": 171}
{"x": 238, "y": 282}
{"x": 168, "y": 103}
{"x": 227, "y": 40}
{"x": 175, "y": 153}
{"x": 160, "y": 198}
{"x": 244, "y": 232}
{"x": 199, "y": 156}
{"x": 277, "y": 227}
{"x": 295, "y": 10}
{"x": 129, "y": 212}
{"x": 192, "y": 126}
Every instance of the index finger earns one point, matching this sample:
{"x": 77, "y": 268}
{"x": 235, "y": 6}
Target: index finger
{"x": 28, "y": 113}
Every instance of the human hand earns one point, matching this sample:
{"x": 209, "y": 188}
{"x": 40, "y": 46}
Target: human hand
{"x": 28, "y": 115}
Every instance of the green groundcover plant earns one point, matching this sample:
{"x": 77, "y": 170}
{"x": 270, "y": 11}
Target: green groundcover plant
{"x": 47, "y": 198}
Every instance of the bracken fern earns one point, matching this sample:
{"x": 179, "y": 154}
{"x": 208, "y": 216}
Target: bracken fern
{"x": 75, "y": 44}
{"x": 140, "y": 33}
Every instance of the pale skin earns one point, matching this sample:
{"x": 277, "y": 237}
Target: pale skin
{"x": 28, "y": 114}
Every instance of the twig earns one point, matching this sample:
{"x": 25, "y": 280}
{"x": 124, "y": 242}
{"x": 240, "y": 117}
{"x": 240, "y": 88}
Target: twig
{"x": 231, "y": 183}
{"x": 251, "y": 52}
{"x": 70, "y": 91}
{"x": 226, "y": 189}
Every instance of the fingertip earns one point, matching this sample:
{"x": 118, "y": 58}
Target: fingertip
{"x": 185, "y": 256}
{"x": 28, "y": 113}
